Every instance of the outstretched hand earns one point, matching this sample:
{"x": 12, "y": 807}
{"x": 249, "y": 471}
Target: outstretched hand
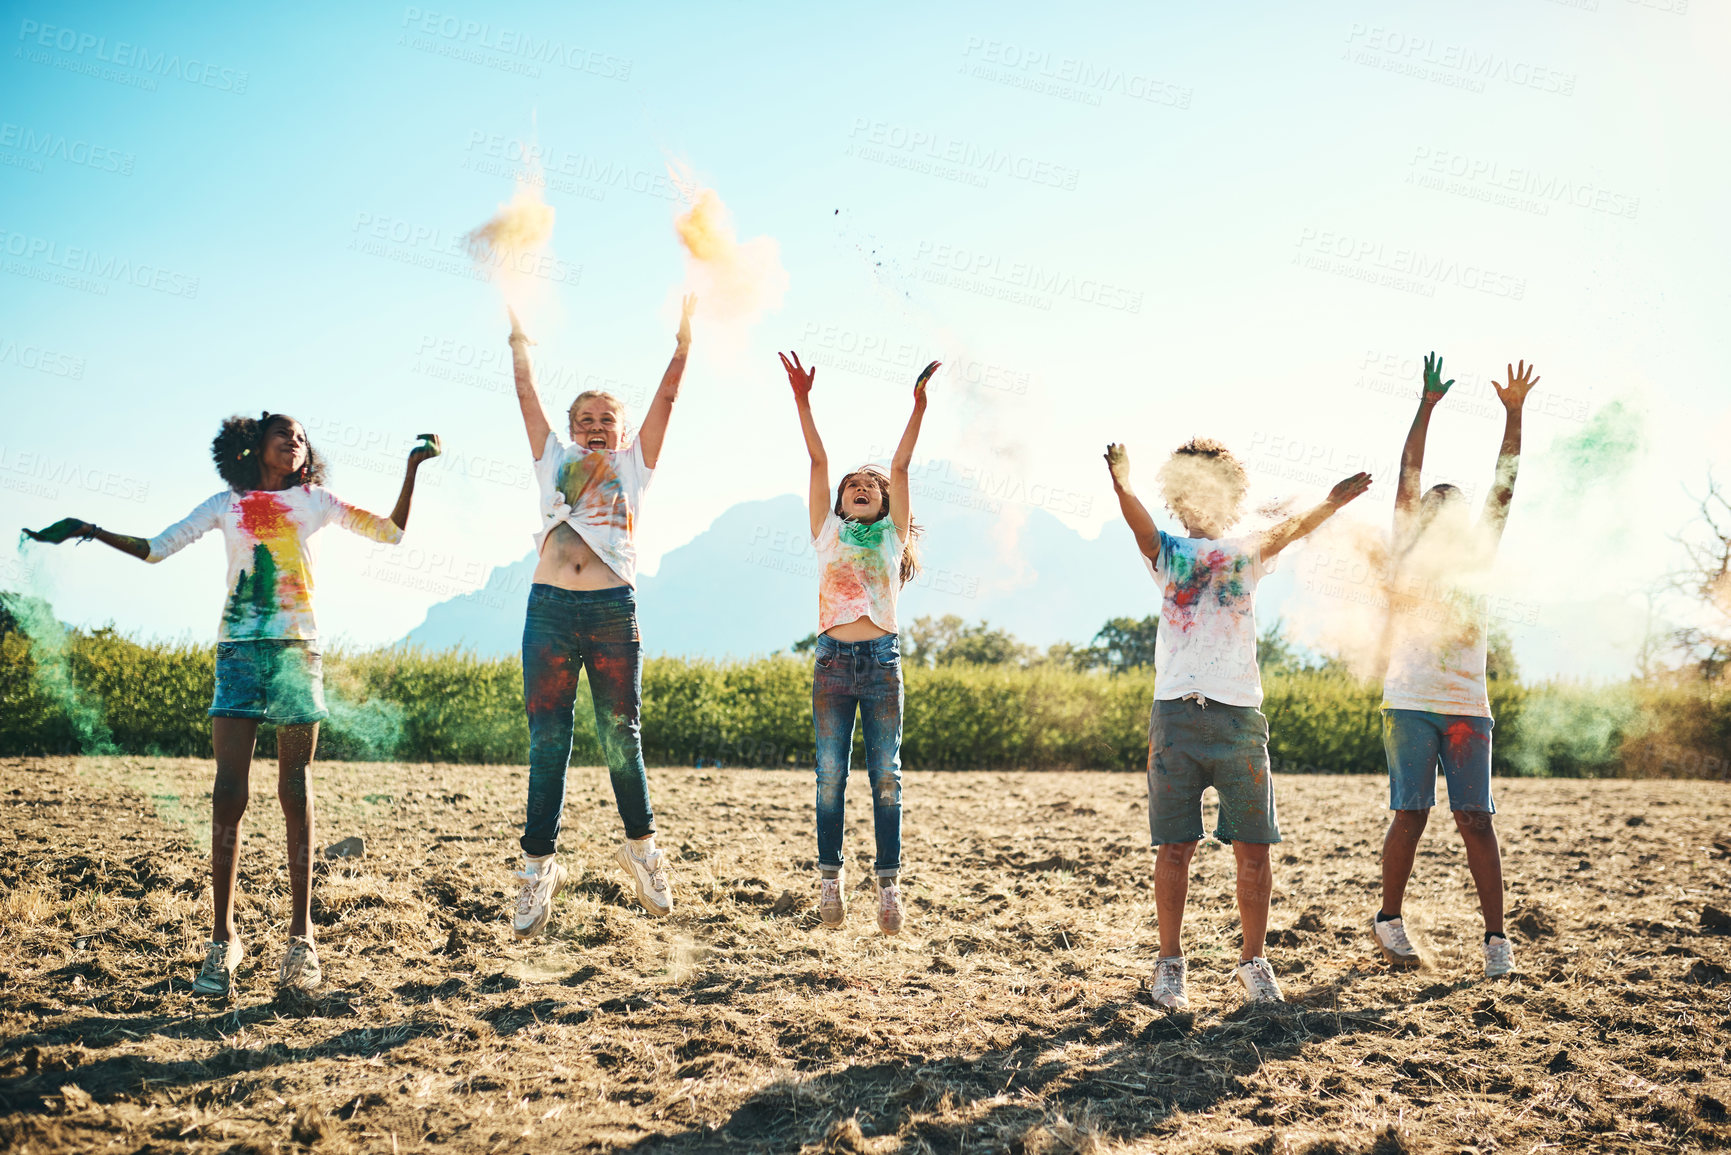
{"x": 687, "y": 306}
{"x": 1118, "y": 462}
{"x": 798, "y": 376}
{"x": 1350, "y": 488}
{"x": 1514, "y": 394}
{"x": 428, "y": 449}
{"x": 62, "y": 530}
{"x": 517, "y": 333}
{"x": 920, "y": 385}
{"x": 1434, "y": 386}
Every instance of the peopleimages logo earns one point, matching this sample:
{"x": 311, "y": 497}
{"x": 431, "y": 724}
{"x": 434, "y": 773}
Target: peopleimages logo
{"x": 512, "y": 42}
{"x": 56, "y": 146}
{"x": 121, "y": 54}
{"x": 90, "y": 263}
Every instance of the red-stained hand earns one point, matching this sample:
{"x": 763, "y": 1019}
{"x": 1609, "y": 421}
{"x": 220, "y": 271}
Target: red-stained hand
{"x": 798, "y": 375}
{"x": 1345, "y": 491}
{"x": 1514, "y": 394}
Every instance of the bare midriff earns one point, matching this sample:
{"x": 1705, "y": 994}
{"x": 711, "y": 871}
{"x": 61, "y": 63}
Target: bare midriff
{"x": 568, "y": 563}
{"x": 858, "y": 630}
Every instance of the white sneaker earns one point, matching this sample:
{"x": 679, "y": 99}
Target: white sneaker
{"x": 1257, "y": 978}
{"x": 541, "y": 879}
{"x": 1499, "y": 957}
{"x": 649, "y": 875}
{"x": 831, "y": 906}
{"x": 889, "y": 907}
{"x": 1390, "y": 936}
{"x": 1169, "y": 983}
{"x": 216, "y": 977}
{"x": 300, "y": 967}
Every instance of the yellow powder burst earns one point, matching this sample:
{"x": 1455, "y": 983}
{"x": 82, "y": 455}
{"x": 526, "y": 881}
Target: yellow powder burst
{"x": 512, "y": 246}
{"x": 735, "y": 280}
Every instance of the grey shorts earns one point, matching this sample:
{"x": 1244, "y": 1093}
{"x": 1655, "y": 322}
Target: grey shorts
{"x": 1196, "y": 744}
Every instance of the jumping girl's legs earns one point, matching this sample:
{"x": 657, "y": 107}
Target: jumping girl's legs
{"x": 881, "y": 722}
{"x": 233, "y": 740}
{"x": 551, "y": 662}
{"x": 613, "y": 655}
{"x": 294, "y": 753}
{"x": 833, "y": 704}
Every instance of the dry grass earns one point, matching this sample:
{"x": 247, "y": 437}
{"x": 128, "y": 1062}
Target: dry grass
{"x": 1010, "y": 1016}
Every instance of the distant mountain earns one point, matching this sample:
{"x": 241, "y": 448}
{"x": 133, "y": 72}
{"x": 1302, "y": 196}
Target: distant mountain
{"x": 748, "y": 584}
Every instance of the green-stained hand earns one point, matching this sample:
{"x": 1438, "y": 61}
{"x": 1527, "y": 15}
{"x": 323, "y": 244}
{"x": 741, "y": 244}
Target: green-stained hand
{"x": 925, "y": 376}
{"x": 1434, "y": 386}
{"x": 428, "y": 448}
{"x": 65, "y": 528}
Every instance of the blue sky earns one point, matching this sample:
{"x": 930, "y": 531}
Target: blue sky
{"x": 1242, "y": 220}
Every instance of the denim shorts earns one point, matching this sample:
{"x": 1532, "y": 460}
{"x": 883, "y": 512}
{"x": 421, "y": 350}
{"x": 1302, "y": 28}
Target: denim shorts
{"x": 277, "y": 680}
{"x": 1417, "y": 741}
{"x": 1194, "y": 744}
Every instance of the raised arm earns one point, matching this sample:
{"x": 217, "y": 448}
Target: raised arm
{"x": 1412, "y": 453}
{"x": 1294, "y": 528}
{"x": 661, "y": 408}
{"x": 801, "y": 379}
{"x": 1135, "y": 513}
{"x": 534, "y": 417}
{"x": 68, "y": 528}
{"x": 428, "y": 449}
{"x": 1513, "y": 396}
{"x": 900, "y": 515}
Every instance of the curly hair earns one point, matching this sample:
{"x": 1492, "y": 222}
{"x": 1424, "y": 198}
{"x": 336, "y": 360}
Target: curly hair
{"x": 910, "y": 549}
{"x": 235, "y": 451}
{"x": 1203, "y": 475}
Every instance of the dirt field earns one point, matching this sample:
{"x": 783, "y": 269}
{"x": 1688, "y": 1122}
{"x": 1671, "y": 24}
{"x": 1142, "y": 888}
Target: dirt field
{"x": 1011, "y": 1015}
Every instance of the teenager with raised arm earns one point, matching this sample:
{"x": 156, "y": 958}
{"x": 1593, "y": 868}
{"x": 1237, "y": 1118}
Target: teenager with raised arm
{"x": 583, "y": 616}
{"x": 1206, "y": 727}
{"x": 1436, "y": 706}
{"x": 268, "y": 664}
{"x": 864, "y": 542}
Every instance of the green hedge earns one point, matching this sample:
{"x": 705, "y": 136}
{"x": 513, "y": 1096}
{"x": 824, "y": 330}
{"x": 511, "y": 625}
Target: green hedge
{"x": 95, "y": 691}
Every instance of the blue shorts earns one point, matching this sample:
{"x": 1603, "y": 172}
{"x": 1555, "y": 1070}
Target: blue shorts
{"x": 1417, "y": 741}
{"x": 276, "y": 680}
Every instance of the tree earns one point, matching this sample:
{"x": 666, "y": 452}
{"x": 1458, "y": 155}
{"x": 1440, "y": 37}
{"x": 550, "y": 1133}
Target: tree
{"x": 950, "y": 641}
{"x": 1705, "y": 579}
{"x": 1122, "y": 644}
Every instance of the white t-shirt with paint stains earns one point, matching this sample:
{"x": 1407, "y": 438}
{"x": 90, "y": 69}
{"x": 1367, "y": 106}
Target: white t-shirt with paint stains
{"x": 597, "y": 493}
{"x": 271, "y": 555}
{"x": 1206, "y": 643}
{"x": 1437, "y": 650}
{"x": 859, "y": 571}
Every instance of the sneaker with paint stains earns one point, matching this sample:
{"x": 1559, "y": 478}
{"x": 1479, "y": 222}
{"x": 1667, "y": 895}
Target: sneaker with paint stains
{"x": 539, "y": 880}
{"x": 1391, "y": 940}
{"x": 647, "y": 866}
{"x": 300, "y": 967}
{"x": 831, "y": 903}
{"x": 1256, "y": 976}
{"x": 1168, "y": 992}
{"x": 889, "y": 906}
{"x": 216, "y": 977}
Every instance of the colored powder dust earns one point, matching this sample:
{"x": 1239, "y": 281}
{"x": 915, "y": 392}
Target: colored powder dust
{"x": 1604, "y": 451}
{"x": 735, "y": 281}
{"x": 51, "y": 677}
{"x": 1201, "y": 491}
{"x": 512, "y": 246}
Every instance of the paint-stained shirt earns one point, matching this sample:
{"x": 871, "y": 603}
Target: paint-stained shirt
{"x": 1206, "y": 641}
{"x": 859, "y": 571}
{"x": 1437, "y": 649}
{"x": 271, "y": 555}
{"x": 596, "y": 492}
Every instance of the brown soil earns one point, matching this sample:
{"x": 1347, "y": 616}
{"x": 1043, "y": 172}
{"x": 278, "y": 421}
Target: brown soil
{"x": 1012, "y": 1014}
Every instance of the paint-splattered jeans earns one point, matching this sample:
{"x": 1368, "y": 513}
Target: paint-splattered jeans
{"x": 565, "y": 633}
{"x": 866, "y": 676}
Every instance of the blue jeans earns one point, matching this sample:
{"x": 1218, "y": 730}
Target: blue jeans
{"x": 1418, "y": 741}
{"x": 276, "y": 680}
{"x": 565, "y": 633}
{"x": 866, "y": 676}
